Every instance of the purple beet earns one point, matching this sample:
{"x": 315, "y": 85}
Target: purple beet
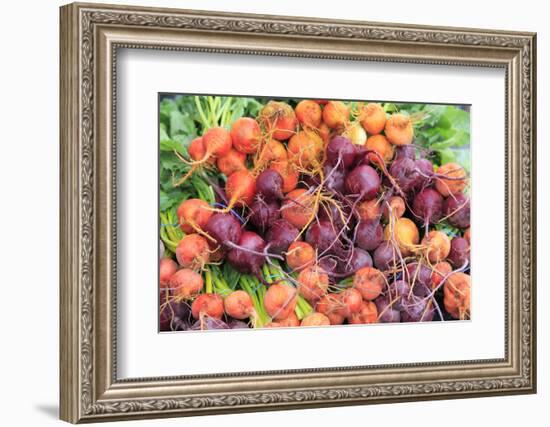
{"x": 399, "y": 292}
{"x": 280, "y": 235}
{"x": 223, "y": 228}
{"x": 322, "y": 235}
{"x": 331, "y": 213}
{"x": 405, "y": 151}
{"x": 363, "y": 182}
{"x": 369, "y": 234}
{"x": 245, "y": 257}
{"x": 385, "y": 256}
{"x": 264, "y": 213}
{"x": 173, "y": 316}
{"x": 417, "y": 309}
{"x": 208, "y": 323}
{"x": 269, "y": 184}
{"x": 329, "y": 264}
{"x": 386, "y": 312}
{"x": 428, "y": 205}
{"x": 237, "y": 324}
{"x": 460, "y": 252}
{"x": 418, "y": 273}
{"x": 404, "y": 172}
{"x": 425, "y": 171}
{"x": 358, "y": 259}
{"x": 334, "y": 178}
{"x": 341, "y": 148}
{"x": 457, "y": 210}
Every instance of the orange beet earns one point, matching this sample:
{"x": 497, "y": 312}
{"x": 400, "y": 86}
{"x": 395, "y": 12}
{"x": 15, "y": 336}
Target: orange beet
{"x": 396, "y": 207}
{"x": 380, "y": 145}
{"x": 369, "y": 210}
{"x": 185, "y": 283}
{"x": 207, "y": 305}
{"x": 300, "y": 255}
{"x": 467, "y": 235}
{"x": 373, "y": 118}
{"x": 367, "y": 314}
{"x": 438, "y": 246}
{"x": 335, "y": 114}
{"x": 238, "y": 305}
{"x": 305, "y": 148}
{"x": 440, "y": 270}
{"x": 240, "y": 187}
{"x": 197, "y": 151}
{"x": 246, "y": 135}
{"x": 298, "y": 208}
{"x": 457, "y": 182}
{"x": 309, "y": 113}
{"x": 279, "y": 119}
{"x": 233, "y": 161}
{"x": 272, "y": 151}
{"x": 312, "y": 283}
{"x": 315, "y": 319}
{"x": 356, "y": 134}
{"x": 280, "y": 301}
{"x": 167, "y": 267}
{"x": 290, "y": 322}
{"x": 330, "y": 305}
{"x": 217, "y": 141}
{"x": 369, "y": 282}
{"x": 193, "y": 251}
{"x": 193, "y": 213}
{"x": 399, "y": 129}
{"x": 456, "y": 295}
{"x": 351, "y": 302}
{"x": 324, "y": 133}
{"x": 405, "y": 233}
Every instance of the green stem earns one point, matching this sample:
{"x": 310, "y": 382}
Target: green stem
{"x": 267, "y": 274}
{"x": 201, "y": 113}
{"x": 208, "y": 277}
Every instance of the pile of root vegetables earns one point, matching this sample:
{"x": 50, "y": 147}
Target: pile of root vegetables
{"x": 324, "y": 214}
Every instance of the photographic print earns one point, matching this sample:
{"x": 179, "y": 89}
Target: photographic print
{"x": 297, "y": 216}
{"x": 306, "y": 212}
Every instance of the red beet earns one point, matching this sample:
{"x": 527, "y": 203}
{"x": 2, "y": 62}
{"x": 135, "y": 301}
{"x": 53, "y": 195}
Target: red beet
{"x": 358, "y": 259}
{"x": 404, "y": 172}
{"x": 264, "y": 213}
{"x": 223, "y": 228}
{"x": 173, "y": 316}
{"x": 269, "y": 184}
{"x": 460, "y": 252}
{"x": 399, "y": 292}
{"x": 428, "y": 205}
{"x": 280, "y": 235}
{"x": 386, "y": 312}
{"x": 363, "y": 182}
{"x": 405, "y": 151}
{"x": 416, "y": 273}
{"x": 322, "y": 235}
{"x": 329, "y": 264}
{"x": 385, "y": 256}
{"x": 417, "y": 309}
{"x": 331, "y": 213}
{"x": 457, "y": 210}
{"x": 341, "y": 148}
{"x": 369, "y": 234}
{"x": 243, "y": 260}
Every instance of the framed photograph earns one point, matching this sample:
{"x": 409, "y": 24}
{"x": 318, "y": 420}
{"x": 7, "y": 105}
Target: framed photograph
{"x": 266, "y": 212}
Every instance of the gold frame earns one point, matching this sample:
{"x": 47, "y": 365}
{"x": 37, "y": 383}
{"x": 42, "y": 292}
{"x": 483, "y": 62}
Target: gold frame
{"x": 90, "y": 36}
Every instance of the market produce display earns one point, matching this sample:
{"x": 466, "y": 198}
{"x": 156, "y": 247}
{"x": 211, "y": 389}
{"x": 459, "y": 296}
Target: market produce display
{"x": 300, "y": 213}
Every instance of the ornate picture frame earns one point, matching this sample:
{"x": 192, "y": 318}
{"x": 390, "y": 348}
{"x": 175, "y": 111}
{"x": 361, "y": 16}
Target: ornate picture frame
{"x": 90, "y": 37}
